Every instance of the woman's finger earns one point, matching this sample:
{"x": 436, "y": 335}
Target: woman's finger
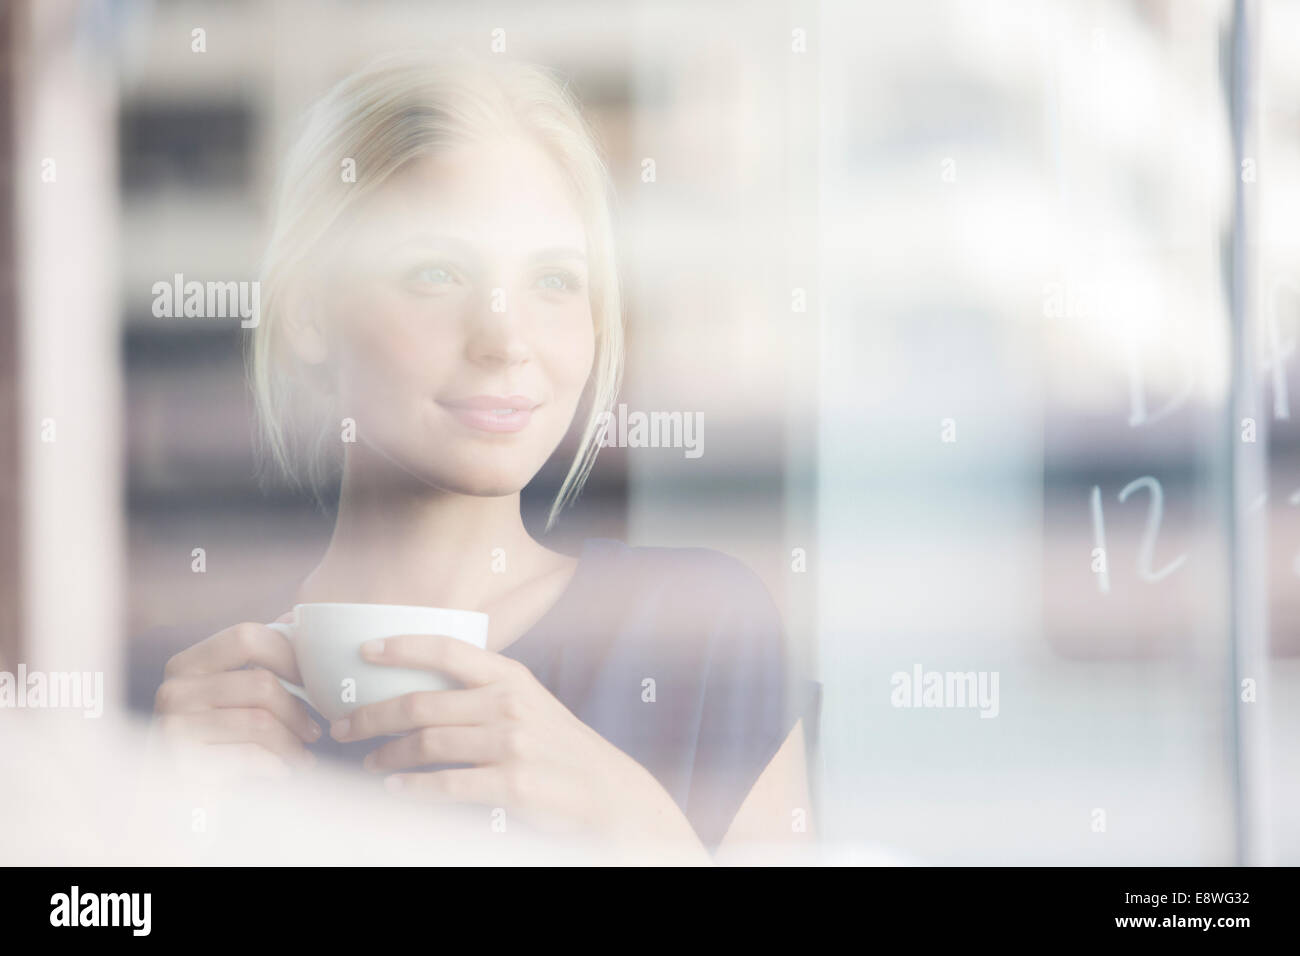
{"x": 470, "y": 665}
{"x": 237, "y": 689}
{"x": 427, "y": 708}
{"x": 237, "y": 647}
{"x": 438, "y": 745}
{"x": 238, "y": 725}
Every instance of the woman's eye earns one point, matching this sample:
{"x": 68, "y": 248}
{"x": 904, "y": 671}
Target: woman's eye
{"x": 431, "y": 279}
{"x": 435, "y": 275}
{"x": 558, "y": 282}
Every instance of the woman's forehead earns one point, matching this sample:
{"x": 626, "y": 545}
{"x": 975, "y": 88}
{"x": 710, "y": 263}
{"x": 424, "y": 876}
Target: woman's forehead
{"x": 491, "y": 197}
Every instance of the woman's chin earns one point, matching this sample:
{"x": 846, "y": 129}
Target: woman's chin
{"x": 471, "y": 479}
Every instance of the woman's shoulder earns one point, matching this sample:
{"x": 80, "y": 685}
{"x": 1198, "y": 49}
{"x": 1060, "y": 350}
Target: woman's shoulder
{"x": 703, "y": 627}
{"x": 688, "y": 570}
{"x": 703, "y": 596}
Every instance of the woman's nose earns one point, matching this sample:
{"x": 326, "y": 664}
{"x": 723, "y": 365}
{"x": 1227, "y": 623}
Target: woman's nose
{"x": 496, "y": 333}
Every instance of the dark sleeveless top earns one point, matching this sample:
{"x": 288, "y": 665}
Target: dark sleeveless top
{"x": 675, "y": 656}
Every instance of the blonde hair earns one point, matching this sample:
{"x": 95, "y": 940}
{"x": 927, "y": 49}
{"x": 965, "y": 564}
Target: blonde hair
{"x": 395, "y": 110}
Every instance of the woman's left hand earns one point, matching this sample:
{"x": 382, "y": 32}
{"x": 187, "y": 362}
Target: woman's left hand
{"x": 530, "y": 754}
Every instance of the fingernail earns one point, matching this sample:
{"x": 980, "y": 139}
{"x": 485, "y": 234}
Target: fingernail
{"x": 372, "y": 648}
{"x": 394, "y": 783}
{"x": 314, "y": 730}
{"x": 339, "y": 729}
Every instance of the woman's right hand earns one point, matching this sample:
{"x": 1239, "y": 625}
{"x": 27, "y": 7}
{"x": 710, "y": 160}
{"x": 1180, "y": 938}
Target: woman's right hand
{"x": 214, "y": 706}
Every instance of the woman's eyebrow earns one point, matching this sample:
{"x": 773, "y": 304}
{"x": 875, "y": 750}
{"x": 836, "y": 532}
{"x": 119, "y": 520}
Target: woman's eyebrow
{"x": 467, "y": 249}
{"x": 429, "y": 240}
{"x": 558, "y": 252}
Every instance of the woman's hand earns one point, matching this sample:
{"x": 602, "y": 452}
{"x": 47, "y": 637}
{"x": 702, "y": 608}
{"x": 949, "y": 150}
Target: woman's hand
{"x": 232, "y": 718}
{"x": 531, "y": 755}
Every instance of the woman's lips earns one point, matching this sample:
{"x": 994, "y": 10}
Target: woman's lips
{"x": 492, "y": 413}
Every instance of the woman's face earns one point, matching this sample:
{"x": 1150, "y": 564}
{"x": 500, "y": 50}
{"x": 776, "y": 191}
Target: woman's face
{"x": 459, "y": 323}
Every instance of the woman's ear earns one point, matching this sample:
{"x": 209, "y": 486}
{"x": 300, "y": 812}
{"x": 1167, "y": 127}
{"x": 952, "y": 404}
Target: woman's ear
{"x": 304, "y": 331}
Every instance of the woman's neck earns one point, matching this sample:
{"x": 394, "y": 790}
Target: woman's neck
{"x": 402, "y": 542}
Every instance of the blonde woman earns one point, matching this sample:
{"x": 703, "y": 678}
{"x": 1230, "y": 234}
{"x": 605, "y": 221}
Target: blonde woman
{"x": 441, "y": 272}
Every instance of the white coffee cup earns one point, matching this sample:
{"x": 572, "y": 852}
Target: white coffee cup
{"x": 327, "y": 639}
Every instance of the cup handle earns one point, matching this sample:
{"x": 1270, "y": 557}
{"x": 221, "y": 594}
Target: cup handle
{"x": 287, "y": 630}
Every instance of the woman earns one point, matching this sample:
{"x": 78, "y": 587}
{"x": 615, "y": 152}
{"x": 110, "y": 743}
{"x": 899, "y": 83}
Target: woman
{"x": 439, "y": 302}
